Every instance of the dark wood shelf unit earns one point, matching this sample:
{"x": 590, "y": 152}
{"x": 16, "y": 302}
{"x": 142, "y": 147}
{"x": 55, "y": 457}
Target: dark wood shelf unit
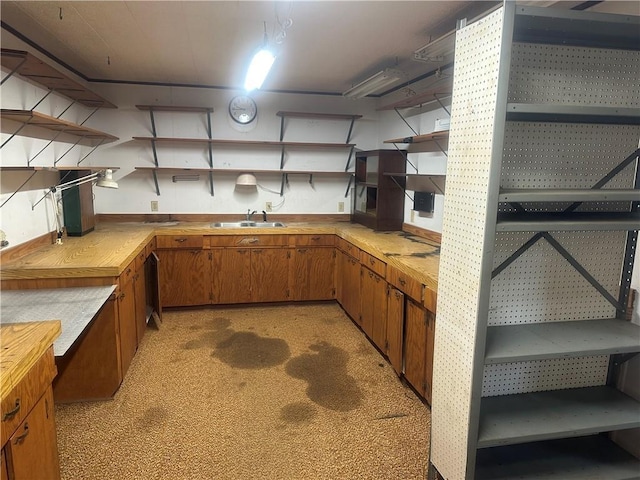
{"x": 378, "y": 203}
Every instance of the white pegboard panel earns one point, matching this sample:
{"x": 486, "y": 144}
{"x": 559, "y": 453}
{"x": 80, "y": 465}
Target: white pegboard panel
{"x": 580, "y": 76}
{"x": 541, "y": 285}
{"x": 560, "y": 155}
{"x": 473, "y": 113}
{"x": 543, "y": 375}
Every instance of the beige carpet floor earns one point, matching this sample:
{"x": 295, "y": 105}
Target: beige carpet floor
{"x": 266, "y": 392}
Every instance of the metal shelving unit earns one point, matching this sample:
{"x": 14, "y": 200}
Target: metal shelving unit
{"x": 540, "y": 229}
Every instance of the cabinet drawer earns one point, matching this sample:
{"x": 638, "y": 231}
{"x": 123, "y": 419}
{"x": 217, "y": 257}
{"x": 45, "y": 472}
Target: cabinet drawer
{"x": 308, "y": 240}
{"x": 250, "y": 241}
{"x": 128, "y": 272}
{"x": 430, "y": 299}
{"x": 25, "y": 395}
{"x": 372, "y": 263}
{"x": 405, "y": 283}
{"x": 150, "y": 247}
{"x": 179, "y": 241}
{"x": 348, "y": 248}
{"x": 140, "y": 258}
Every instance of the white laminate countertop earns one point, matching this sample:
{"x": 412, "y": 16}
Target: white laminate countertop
{"x": 74, "y": 307}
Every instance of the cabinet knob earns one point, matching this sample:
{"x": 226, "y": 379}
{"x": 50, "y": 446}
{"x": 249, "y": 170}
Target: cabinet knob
{"x": 12, "y": 413}
{"x": 402, "y": 281}
{"x": 181, "y": 240}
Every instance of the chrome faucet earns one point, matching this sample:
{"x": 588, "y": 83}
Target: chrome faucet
{"x": 250, "y": 214}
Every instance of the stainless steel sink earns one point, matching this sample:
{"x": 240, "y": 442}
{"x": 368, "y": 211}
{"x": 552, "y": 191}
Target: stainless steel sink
{"x": 247, "y": 224}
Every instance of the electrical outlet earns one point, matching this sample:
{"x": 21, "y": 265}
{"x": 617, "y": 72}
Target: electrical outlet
{"x": 268, "y": 207}
{"x": 154, "y": 205}
{"x": 413, "y": 216}
{"x": 341, "y": 206}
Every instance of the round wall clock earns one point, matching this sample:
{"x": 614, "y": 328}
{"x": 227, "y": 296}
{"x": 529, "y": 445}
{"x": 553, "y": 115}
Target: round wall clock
{"x": 243, "y": 109}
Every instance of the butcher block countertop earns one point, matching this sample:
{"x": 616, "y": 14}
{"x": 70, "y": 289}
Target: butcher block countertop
{"x": 108, "y": 250}
{"x": 22, "y": 345}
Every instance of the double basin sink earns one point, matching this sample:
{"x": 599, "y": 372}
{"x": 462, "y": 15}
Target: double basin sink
{"x": 247, "y": 223}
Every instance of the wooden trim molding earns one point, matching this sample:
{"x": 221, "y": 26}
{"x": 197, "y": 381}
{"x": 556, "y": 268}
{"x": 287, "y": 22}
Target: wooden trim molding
{"x": 422, "y": 232}
{"x": 11, "y": 253}
{"x": 220, "y": 217}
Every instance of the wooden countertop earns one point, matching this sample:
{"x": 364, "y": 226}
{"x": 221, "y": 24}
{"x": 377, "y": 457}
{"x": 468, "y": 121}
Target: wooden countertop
{"x": 22, "y": 344}
{"x": 112, "y": 246}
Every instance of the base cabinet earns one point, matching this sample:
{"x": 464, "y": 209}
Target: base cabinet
{"x": 32, "y": 450}
{"x": 395, "y": 328}
{"x": 418, "y": 349}
{"x": 185, "y": 277}
{"x": 127, "y": 318}
{"x": 349, "y": 292}
{"x": 311, "y": 274}
{"x": 231, "y": 275}
{"x": 373, "y": 307}
{"x": 270, "y": 274}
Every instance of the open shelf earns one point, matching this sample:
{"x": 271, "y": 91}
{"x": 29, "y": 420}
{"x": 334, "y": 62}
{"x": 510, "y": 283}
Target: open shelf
{"x": 420, "y": 100}
{"x": 39, "y": 72}
{"x": 580, "y": 338}
{"x": 568, "y": 195}
{"x": 323, "y": 116}
{"x": 30, "y": 117}
{"x": 593, "y": 457}
{"x": 581, "y": 221}
{"x": 531, "y": 417}
{"x": 426, "y": 137}
{"x": 56, "y": 168}
{"x": 174, "y": 108}
{"x": 244, "y": 170}
{"x": 577, "y": 28}
{"x": 244, "y": 143}
{"x": 530, "y": 112}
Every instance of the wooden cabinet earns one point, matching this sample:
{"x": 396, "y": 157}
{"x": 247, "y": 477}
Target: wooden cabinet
{"x": 140, "y": 292}
{"x": 312, "y": 273}
{"x": 231, "y": 275}
{"x": 418, "y": 349}
{"x": 270, "y": 274}
{"x": 4, "y": 471}
{"x": 28, "y": 431}
{"x": 92, "y": 368}
{"x": 185, "y": 277}
{"x": 127, "y": 317}
{"x": 32, "y": 450}
{"x": 378, "y": 199}
{"x": 373, "y": 306}
{"x": 348, "y": 273}
{"x": 395, "y": 328}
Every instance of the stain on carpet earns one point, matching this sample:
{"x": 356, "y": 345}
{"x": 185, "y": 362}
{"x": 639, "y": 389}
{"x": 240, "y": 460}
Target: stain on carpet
{"x": 152, "y": 418}
{"x": 325, "y": 371}
{"x": 298, "y": 412}
{"x": 247, "y": 350}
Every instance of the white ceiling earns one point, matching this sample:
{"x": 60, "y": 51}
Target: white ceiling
{"x": 329, "y": 47}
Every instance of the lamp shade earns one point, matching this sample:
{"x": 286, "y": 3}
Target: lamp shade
{"x": 246, "y": 180}
{"x": 107, "y": 180}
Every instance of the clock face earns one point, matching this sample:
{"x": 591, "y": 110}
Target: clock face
{"x": 243, "y": 109}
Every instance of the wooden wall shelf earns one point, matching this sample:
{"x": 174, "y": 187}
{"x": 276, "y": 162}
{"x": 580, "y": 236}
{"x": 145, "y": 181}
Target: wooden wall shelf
{"x": 427, "y": 137}
{"x": 323, "y": 116}
{"x": 244, "y": 143}
{"x": 174, "y": 108}
{"x": 31, "y": 117}
{"x": 243, "y": 170}
{"x": 37, "y": 71}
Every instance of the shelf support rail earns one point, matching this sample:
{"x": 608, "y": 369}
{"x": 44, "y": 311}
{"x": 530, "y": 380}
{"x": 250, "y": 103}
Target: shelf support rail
{"x": 405, "y": 154}
{"x": 27, "y": 123}
{"x": 401, "y": 187}
{"x": 621, "y": 166}
{"x": 435, "y": 95}
{"x": 19, "y": 188}
{"x": 92, "y": 150}
{"x": 15, "y": 69}
{"x": 346, "y": 167}
{"x": 346, "y": 193}
{"x": 60, "y": 133}
{"x": 404, "y": 120}
{"x": 153, "y": 149}
{"x": 353, "y": 120}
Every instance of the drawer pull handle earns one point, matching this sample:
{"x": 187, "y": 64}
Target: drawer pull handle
{"x": 244, "y": 241}
{"x": 20, "y": 438}
{"x": 315, "y": 239}
{"x": 372, "y": 261}
{"x": 12, "y": 413}
{"x": 402, "y": 281}
{"x": 180, "y": 240}
{"x": 128, "y": 271}
{"x": 121, "y": 296}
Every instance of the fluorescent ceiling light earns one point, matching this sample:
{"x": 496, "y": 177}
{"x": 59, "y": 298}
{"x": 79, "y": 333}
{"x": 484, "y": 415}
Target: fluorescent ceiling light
{"x": 375, "y": 83}
{"x": 258, "y": 69}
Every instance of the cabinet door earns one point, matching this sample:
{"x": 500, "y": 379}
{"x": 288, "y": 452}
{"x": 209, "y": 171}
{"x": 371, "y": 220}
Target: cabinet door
{"x": 185, "y": 277}
{"x": 311, "y": 274}
{"x": 4, "y": 473}
{"x": 395, "y": 328}
{"x": 270, "y": 274}
{"x": 128, "y": 328}
{"x": 140, "y": 287}
{"x": 32, "y": 451}
{"x": 367, "y": 300}
{"x": 231, "y": 271}
{"x": 351, "y": 287}
{"x": 415, "y": 346}
{"x": 341, "y": 267}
